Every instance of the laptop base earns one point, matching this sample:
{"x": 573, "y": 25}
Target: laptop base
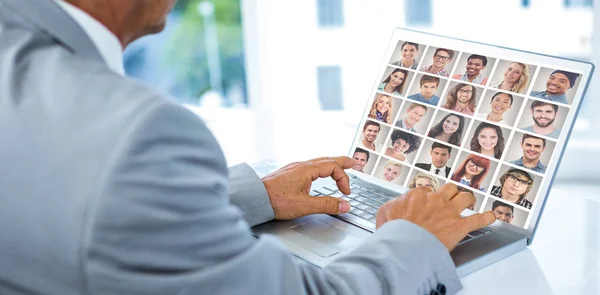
{"x": 319, "y": 239}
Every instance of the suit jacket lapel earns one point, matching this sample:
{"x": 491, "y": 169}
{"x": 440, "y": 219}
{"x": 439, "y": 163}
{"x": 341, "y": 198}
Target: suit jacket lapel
{"x": 55, "y": 22}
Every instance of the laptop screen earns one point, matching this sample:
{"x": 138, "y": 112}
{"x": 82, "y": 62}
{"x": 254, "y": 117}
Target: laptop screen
{"x": 492, "y": 120}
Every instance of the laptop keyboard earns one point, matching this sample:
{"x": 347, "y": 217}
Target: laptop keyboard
{"x": 365, "y": 200}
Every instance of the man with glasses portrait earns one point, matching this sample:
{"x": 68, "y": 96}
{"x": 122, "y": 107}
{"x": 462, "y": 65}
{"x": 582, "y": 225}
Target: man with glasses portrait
{"x": 515, "y": 184}
{"x": 503, "y": 212}
{"x": 441, "y": 58}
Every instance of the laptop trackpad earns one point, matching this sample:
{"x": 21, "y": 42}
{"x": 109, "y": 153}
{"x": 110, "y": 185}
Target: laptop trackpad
{"x": 321, "y": 238}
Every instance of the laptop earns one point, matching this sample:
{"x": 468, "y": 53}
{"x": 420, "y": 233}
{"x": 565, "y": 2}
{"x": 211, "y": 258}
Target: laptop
{"x": 492, "y": 120}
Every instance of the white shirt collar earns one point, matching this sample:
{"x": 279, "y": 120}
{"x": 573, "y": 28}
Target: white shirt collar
{"x": 106, "y": 42}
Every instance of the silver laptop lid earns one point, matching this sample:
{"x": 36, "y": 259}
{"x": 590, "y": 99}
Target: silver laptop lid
{"x": 492, "y": 120}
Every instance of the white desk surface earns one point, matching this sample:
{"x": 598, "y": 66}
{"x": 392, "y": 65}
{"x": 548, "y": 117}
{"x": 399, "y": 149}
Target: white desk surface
{"x": 564, "y": 257}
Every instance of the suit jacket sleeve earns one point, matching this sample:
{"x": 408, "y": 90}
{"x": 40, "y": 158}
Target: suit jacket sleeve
{"x": 162, "y": 223}
{"x": 248, "y": 193}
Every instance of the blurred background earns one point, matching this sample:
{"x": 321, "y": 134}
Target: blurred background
{"x": 288, "y": 80}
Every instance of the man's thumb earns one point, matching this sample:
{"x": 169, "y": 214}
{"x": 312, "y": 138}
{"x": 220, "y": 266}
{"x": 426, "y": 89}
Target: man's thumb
{"x": 328, "y": 205}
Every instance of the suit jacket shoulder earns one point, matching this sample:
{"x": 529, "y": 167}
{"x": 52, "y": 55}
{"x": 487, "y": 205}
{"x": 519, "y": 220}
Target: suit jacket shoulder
{"x": 423, "y": 166}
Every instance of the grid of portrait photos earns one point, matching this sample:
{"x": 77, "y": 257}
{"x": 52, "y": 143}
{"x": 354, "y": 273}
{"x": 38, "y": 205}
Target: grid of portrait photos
{"x": 487, "y": 124}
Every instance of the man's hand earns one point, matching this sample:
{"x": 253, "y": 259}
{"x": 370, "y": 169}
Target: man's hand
{"x": 288, "y": 187}
{"x": 437, "y": 212}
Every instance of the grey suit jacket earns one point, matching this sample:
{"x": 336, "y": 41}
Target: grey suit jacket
{"x": 107, "y": 187}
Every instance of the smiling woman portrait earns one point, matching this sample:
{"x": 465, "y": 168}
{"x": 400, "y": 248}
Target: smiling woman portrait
{"x": 515, "y": 78}
{"x": 472, "y": 172}
{"x": 488, "y": 140}
{"x": 394, "y": 83}
{"x": 422, "y": 179}
{"x": 401, "y": 144}
{"x": 449, "y": 129}
{"x": 500, "y": 103}
{"x": 391, "y": 171}
{"x": 381, "y": 110}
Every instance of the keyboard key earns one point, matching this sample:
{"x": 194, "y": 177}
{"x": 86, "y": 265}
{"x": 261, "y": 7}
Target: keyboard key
{"x": 336, "y": 194}
{"x": 331, "y": 187}
{"x": 373, "y": 219}
{"x": 346, "y": 199}
{"x": 371, "y": 210}
{"x": 476, "y": 233}
{"x": 357, "y": 190}
{"x": 372, "y": 203}
{"x": 355, "y": 211}
{"x": 380, "y": 192}
{"x": 360, "y": 199}
{"x": 362, "y": 207}
{"x": 465, "y": 239}
{"x": 353, "y": 196}
{"x": 365, "y": 215}
{"x": 369, "y": 195}
{"x": 382, "y": 199}
{"x": 315, "y": 193}
{"x": 322, "y": 191}
{"x": 354, "y": 203}
{"x": 485, "y": 230}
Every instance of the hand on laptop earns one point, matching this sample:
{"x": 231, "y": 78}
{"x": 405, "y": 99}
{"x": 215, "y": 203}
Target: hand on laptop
{"x": 437, "y": 212}
{"x": 288, "y": 187}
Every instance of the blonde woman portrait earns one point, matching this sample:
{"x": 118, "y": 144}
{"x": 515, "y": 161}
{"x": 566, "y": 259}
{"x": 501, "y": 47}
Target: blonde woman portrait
{"x": 381, "y": 110}
{"x": 515, "y": 79}
{"x": 391, "y": 171}
{"x": 422, "y": 179}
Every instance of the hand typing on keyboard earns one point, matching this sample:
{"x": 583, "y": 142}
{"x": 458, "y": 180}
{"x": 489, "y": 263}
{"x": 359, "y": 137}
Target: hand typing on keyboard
{"x": 288, "y": 187}
{"x": 437, "y": 212}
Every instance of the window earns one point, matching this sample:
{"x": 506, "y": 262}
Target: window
{"x": 578, "y": 3}
{"x": 330, "y": 13}
{"x": 329, "y": 79}
{"x": 418, "y": 12}
{"x": 525, "y": 3}
{"x": 198, "y": 58}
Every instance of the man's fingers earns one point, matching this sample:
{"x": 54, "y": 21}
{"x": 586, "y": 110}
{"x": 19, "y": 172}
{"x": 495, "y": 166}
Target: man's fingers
{"x": 331, "y": 168}
{"x": 479, "y": 220}
{"x": 326, "y": 205}
{"x": 344, "y": 162}
{"x": 343, "y": 183}
{"x": 463, "y": 201}
{"x": 448, "y": 191}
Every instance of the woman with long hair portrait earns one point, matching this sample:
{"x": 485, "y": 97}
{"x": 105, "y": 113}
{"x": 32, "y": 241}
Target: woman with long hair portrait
{"x": 395, "y": 82}
{"x": 488, "y": 140}
{"x": 472, "y": 172}
{"x": 515, "y": 79}
{"x": 422, "y": 179}
{"x": 449, "y": 129}
{"x": 381, "y": 110}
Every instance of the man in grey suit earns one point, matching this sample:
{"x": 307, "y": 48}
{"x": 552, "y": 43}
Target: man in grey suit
{"x": 110, "y": 188}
